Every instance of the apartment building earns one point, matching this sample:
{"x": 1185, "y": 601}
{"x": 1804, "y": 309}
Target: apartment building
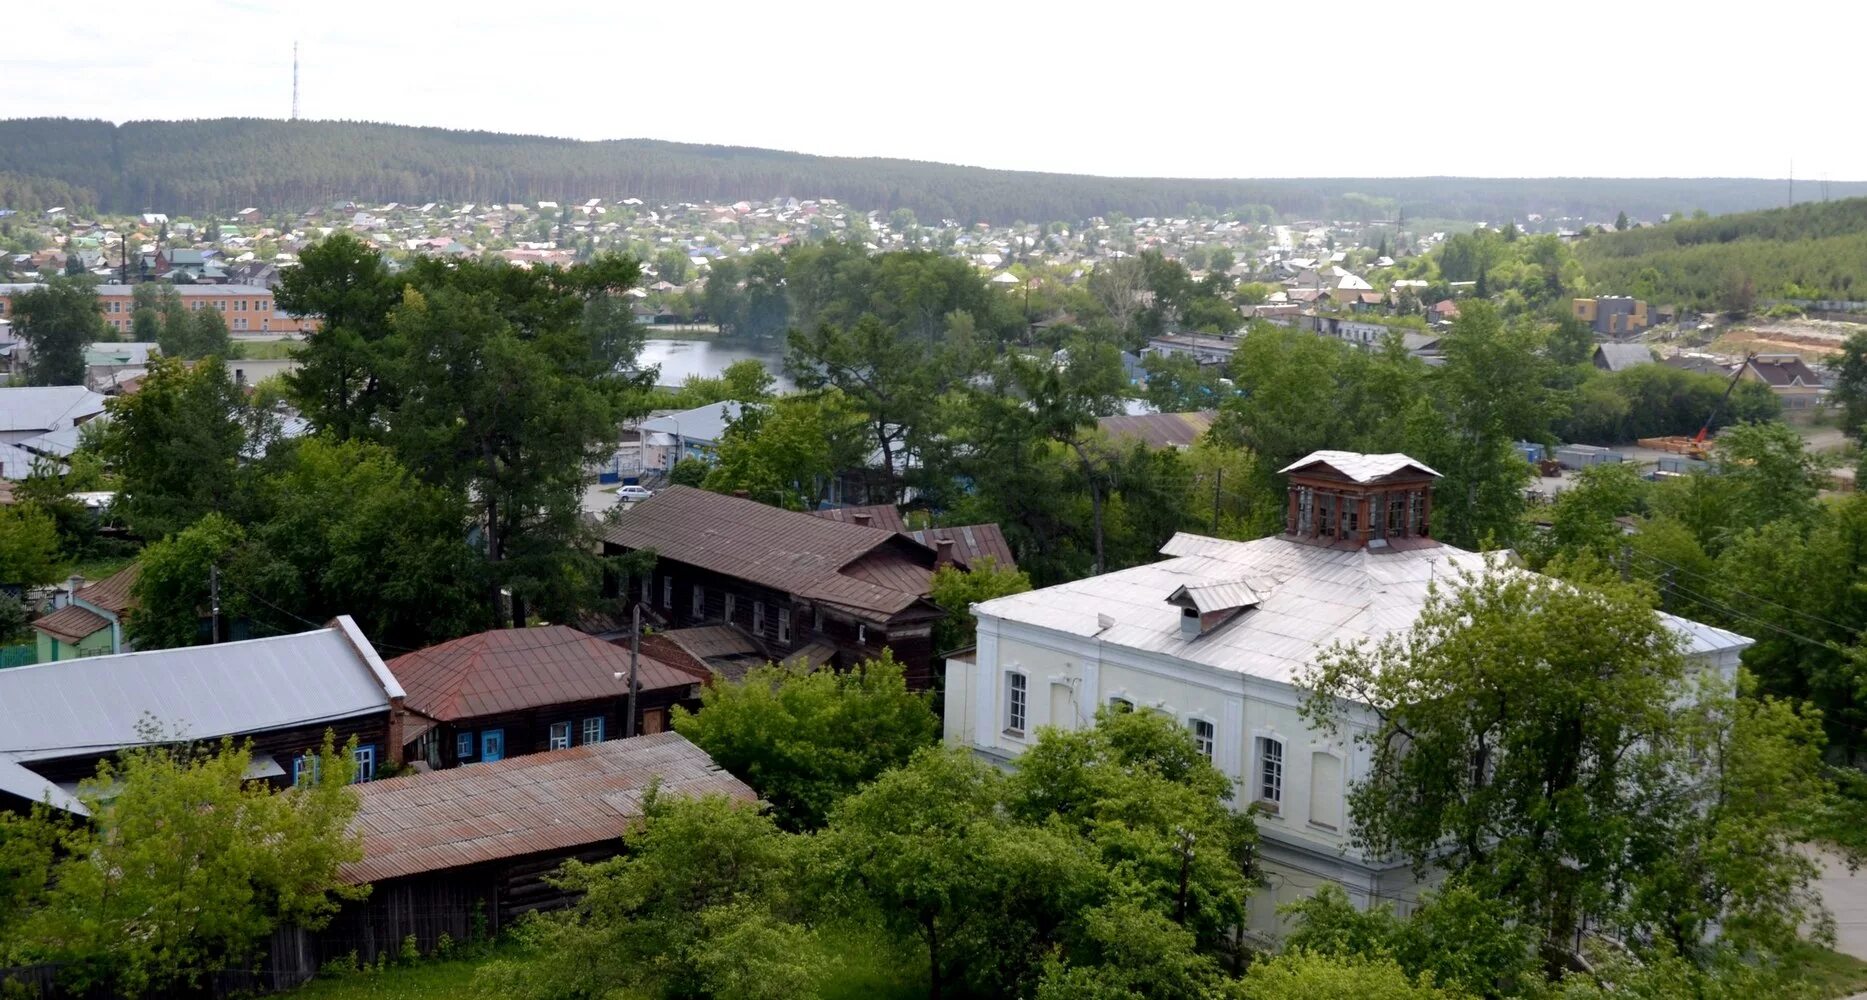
{"x": 247, "y": 308}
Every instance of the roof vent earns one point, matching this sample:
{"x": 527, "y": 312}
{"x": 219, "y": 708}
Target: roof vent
{"x": 862, "y": 518}
{"x": 1204, "y": 607}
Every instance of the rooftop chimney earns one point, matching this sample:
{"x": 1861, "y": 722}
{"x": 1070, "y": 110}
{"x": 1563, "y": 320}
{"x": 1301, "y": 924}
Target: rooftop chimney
{"x": 943, "y": 552}
{"x": 861, "y": 517}
{"x": 1189, "y": 623}
{"x": 72, "y": 585}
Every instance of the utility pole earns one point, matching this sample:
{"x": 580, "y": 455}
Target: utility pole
{"x": 213, "y": 598}
{"x": 635, "y": 649}
{"x": 1217, "y": 481}
{"x": 294, "y": 81}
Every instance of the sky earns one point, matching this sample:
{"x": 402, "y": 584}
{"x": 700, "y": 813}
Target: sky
{"x": 1634, "y": 88}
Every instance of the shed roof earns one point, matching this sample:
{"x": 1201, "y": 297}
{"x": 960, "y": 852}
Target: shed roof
{"x": 554, "y": 801}
{"x": 509, "y": 670}
{"x": 72, "y": 623}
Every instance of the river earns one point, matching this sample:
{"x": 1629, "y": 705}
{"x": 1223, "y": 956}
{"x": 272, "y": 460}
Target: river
{"x": 682, "y": 357}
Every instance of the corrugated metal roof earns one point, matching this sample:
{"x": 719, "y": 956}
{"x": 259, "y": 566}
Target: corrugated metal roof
{"x": 507, "y": 670}
{"x": 1310, "y": 597}
{"x": 1223, "y": 596}
{"x": 1357, "y": 466}
{"x": 971, "y": 542}
{"x": 880, "y": 515}
{"x": 95, "y": 704}
{"x": 1159, "y": 430}
{"x": 71, "y": 623}
{"x": 555, "y": 801}
{"x": 113, "y": 593}
{"x": 46, "y": 408}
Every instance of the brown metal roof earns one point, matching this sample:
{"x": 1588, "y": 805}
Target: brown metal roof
{"x": 880, "y": 515}
{"x": 72, "y": 623}
{"x": 508, "y": 670}
{"x": 782, "y": 549}
{"x": 113, "y": 593}
{"x": 556, "y": 801}
{"x": 971, "y": 542}
{"x": 1159, "y": 430}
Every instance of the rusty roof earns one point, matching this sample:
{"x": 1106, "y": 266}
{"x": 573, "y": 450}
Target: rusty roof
{"x": 971, "y": 542}
{"x": 788, "y": 551}
{"x": 72, "y": 623}
{"x": 114, "y": 592}
{"x": 543, "y": 802}
{"x": 509, "y": 670}
{"x": 880, "y": 515}
{"x": 1159, "y": 430}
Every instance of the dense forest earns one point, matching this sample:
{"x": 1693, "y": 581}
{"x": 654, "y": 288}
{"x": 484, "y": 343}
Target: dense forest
{"x": 222, "y": 165}
{"x": 1812, "y": 251}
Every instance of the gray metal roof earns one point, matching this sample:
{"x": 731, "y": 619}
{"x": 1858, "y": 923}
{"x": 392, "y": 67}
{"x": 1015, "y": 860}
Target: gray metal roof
{"x": 1209, "y": 597}
{"x": 702, "y": 423}
{"x": 46, "y": 407}
{"x": 1359, "y": 467}
{"x": 1620, "y": 357}
{"x": 1310, "y": 597}
{"x": 95, "y": 704}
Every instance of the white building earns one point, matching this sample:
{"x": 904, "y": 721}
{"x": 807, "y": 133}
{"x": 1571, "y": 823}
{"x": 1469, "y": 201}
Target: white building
{"x": 1218, "y": 636}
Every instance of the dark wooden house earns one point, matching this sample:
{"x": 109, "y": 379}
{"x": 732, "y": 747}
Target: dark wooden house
{"x": 789, "y": 580}
{"x": 512, "y": 692}
{"x": 58, "y": 720}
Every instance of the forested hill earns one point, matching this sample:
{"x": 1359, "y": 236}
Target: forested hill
{"x": 222, "y": 165}
{"x": 1811, "y": 251}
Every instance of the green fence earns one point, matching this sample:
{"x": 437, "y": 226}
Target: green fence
{"x": 18, "y": 656}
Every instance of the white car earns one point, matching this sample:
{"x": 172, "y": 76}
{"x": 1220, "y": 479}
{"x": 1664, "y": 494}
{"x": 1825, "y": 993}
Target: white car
{"x": 634, "y": 493}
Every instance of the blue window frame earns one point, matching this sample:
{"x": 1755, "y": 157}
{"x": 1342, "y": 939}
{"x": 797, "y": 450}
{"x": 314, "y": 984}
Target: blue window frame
{"x": 593, "y": 729}
{"x": 365, "y": 757}
{"x": 463, "y": 746}
{"x": 306, "y": 767}
{"x": 492, "y": 745}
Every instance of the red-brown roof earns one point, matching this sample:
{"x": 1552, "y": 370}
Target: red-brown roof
{"x": 971, "y": 542}
{"x": 113, "y": 593}
{"x": 72, "y": 623}
{"x": 880, "y": 515}
{"x": 555, "y": 801}
{"x": 1159, "y": 430}
{"x": 785, "y": 550}
{"x": 509, "y": 670}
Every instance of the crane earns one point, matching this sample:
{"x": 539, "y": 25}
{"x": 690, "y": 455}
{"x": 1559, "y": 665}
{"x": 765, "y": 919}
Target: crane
{"x": 1698, "y": 440}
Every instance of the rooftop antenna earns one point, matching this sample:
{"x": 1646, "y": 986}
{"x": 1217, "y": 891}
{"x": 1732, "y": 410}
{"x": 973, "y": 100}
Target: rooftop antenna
{"x": 294, "y": 81}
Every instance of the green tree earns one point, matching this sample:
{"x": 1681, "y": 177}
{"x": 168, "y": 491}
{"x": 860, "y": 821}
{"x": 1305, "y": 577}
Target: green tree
{"x": 789, "y": 452}
{"x": 806, "y": 739}
{"x": 187, "y": 866}
{"x": 172, "y": 589}
{"x": 146, "y": 326}
{"x": 177, "y": 444}
{"x": 956, "y": 590}
{"x": 1305, "y": 976}
{"x": 672, "y": 266}
{"x": 343, "y": 382}
{"x": 689, "y": 471}
{"x": 29, "y": 554}
{"x": 1849, "y": 388}
{"x": 59, "y": 320}
{"x": 888, "y": 377}
{"x": 1620, "y": 221}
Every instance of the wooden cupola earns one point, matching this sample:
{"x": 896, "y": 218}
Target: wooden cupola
{"x": 1345, "y": 499}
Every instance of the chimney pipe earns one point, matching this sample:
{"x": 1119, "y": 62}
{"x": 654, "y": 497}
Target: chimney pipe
{"x": 72, "y": 585}
{"x": 943, "y": 552}
{"x": 1189, "y": 624}
{"x": 862, "y": 518}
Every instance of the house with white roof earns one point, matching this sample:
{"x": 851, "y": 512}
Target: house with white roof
{"x": 1220, "y": 633}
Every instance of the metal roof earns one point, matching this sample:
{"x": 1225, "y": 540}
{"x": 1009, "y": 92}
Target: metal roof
{"x": 1159, "y": 430}
{"x": 1357, "y": 466}
{"x": 96, "y": 704}
{"x": 1620, "y": 357}
{"x": 555, "y": 801}
{"x": 971, "y": 543}
{"x": 702, "y": 423}
{"x": 46, "y": 407}
{"x": 1209, "y": 597}
{"x": 1310, "y": 597}
{"x": 509, "y": 670}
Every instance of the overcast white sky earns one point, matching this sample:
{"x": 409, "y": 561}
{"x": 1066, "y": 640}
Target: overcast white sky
{"x": 1634, "y": 88}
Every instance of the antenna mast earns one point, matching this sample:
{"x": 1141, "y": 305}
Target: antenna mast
{"x": 294, "y": 81}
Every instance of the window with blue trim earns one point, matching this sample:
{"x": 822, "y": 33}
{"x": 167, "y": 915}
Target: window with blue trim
{"x": 593, "y": 729}
{"x": 306, "y": 768}
{"x": 365, "y": 757}
{"x": 463, "y": 746}
{"x": 560, "y": 735}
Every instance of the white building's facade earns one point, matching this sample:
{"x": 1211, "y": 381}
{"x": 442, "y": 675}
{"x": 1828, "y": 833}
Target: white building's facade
{"x": 1217, "y": 636}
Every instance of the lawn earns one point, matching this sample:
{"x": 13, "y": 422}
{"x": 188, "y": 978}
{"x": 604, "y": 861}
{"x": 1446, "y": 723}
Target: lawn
{"x": 265, "y": 350}
{"x": 1830, "y": 972}
{"x": 430, "y": 979}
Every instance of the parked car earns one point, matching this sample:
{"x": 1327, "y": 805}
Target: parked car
{"x": 633, "y": 493}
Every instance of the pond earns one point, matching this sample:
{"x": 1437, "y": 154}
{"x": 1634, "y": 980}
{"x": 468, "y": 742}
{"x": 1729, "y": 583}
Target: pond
{"x": 681, "y": 357}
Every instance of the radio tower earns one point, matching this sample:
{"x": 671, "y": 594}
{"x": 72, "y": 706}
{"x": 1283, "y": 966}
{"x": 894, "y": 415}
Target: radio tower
{"x": 294, "y": 81}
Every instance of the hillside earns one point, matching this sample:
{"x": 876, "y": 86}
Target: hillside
{"x": 222, "y": 165}
{"x": 1811, "y": 251}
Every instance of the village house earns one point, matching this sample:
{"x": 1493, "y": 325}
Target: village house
{"x": 59, "y": 719}
{"x": 511, "y": 692}
{"x": 1613, "y": 315}
{"x": 88, "y": 619}
{"x": 792, "y": 581}
{"x": 1796, "y": 385}
{"x": 1218, "y": 635}
{"x": 1620, "y": 357}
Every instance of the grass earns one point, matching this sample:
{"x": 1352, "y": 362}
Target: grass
{"x": 429, "y": 979}
{"x": 1830, "y": 972}
{"x": 265, "y": 350}
{"x": 99, "y": 566}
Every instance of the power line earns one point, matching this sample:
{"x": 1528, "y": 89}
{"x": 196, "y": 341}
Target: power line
{"x": 1747, "y": 596}
{"x": 1746, "y": 617}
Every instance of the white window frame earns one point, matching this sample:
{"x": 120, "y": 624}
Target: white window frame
{"x": 1268, "y": 772}
{"x": 1017, "y": 703}
{"x": 1121, "y": 703}
{"x": 784, "y": 624}
{"x": 758, "y": 617}
{"x": 862, "y": 634}
{"x": 365, "y": 758}
{"x": 559, "y": 736}
{"x": 463, "y": 746}
{"x": 592, "y": 730}
{"x": 1207, "y": 742}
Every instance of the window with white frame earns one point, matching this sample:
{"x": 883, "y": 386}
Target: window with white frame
{"x": 463, "y": 746}
{"x": 758, "y": 618}
{"x": 1270, "y": 788}
{"x": 365, "y": 757}
{"x": 1120, "y": 704}
{"x": 560, "y": 735}
{"x": 1015, "y": 704}
{"x": 1205, "y": 737}
{"x": 700, "y": 601}
{"x": 593, "y": 729}
{"x": 784, "y": 624}
{"x": 862, "y": 634}
{"x": 667, "y": 592}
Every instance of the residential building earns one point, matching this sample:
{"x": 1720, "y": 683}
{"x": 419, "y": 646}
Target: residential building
{"x": 1796, "y": 385}
{"x": 1205, "y": 349}
{"x": 1613, "y": 315}
{"x": 283, "y": 694}
{"x": 28, "y": 412}
{"x": 1218, "y": 637}
{"x": 788, "y": 579}
{"x": 1620, "y": 357}
{"x": 89, "y": 619}
{"x": 510, "y": 692}
{"x": 247, "y": 308}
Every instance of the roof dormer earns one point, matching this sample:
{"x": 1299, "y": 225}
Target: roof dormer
{"x": 1206, "y": 606}
{"x": 1346, "y": 499}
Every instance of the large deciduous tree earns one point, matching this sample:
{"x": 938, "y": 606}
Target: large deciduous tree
{"x": 59, "y": 320}
{"x": 177, "y": 443}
